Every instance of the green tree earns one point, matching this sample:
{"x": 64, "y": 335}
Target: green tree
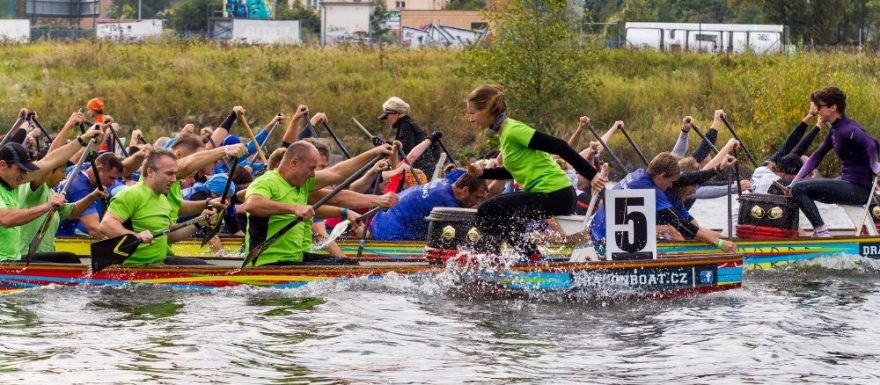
{"x": 192, "y": 15}
{"x": 535, "y": 55}
{"x": 309, "y": 20}
{"x": 127, "y": 9}
{"x": 378, "y": 19}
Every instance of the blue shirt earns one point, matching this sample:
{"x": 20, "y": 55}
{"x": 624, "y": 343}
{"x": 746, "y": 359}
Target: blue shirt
{"x": 79, "y": 188}
{"x": 638, "y": 179}
{"x": 406, "y": 220}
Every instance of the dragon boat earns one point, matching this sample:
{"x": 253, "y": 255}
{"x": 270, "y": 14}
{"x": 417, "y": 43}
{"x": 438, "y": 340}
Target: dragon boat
{"x": 668, "y": 276}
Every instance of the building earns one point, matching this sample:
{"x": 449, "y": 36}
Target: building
{"x": 469, "y": 20}
{"x": 345, "y": 21}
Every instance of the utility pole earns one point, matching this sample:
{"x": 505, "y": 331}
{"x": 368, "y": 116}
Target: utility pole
{"x": 139, "y": 10}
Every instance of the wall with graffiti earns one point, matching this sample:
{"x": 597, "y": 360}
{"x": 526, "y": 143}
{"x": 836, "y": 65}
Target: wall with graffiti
{"x": 248, "y": 9}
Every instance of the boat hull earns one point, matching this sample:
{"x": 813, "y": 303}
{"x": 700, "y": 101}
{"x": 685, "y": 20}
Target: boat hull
{"x": 675, "y": 276}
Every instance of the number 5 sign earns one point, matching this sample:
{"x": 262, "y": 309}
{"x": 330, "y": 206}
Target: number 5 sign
{"x": 631, "y": 224}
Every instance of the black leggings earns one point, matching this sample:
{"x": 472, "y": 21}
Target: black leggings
{"x": 805, "y": 192}
{"x": 53, "y": 258}
{"x": 506, "y": 217}
{"x": 310, "y": 259}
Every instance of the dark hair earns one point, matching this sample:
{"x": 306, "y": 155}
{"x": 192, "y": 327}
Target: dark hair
{"x": 152, "y": 161}
{"x": 275, "y": 158}
{"x": 190, "y": 143}
{"x": 664, "y": 164}
{"x": 830, "y": 96}
{"x": 109, "y": 161}
{"x": 488, "y": 98}
{"x": 242, "y": 176}
{"x": 473, "y": 183}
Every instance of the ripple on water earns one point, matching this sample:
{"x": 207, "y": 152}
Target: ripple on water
{"x": 810, "y": 322}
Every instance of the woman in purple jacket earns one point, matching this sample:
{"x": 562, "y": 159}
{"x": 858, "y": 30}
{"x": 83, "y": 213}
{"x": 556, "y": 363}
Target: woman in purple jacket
{"x": 857, "y": 151}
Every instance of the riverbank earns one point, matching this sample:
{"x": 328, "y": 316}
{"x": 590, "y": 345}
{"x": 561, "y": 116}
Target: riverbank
{"x": 162, "y": 85}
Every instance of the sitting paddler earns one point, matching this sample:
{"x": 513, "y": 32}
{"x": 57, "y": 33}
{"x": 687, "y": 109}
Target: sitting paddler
{"x": 661, "y": 175}
{"x": 280, "y": 196}
{"x": 857, "y": 151}
{"x": 406, "y": 221}
{"x": 17, "y": 169}
{"x": 146, "y": 207}
{"x": 545, "y": 189}
{"x": 785, "y": 163}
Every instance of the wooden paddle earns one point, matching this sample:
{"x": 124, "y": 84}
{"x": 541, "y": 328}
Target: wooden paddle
{"x": 213, "y": 230}
{"x": 258, "y": 249}
{"x": 41, "y": 231}
{"x": 116, "y": 250}
{"x": 250, "y": 133}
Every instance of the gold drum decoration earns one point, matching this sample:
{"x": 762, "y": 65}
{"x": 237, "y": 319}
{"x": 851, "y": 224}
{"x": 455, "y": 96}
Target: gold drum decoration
{"x": 757, "y": 212}
{"x": 448, "y": 233}
{"x": 473, "y": 235}
{"x": 776, "y": 212}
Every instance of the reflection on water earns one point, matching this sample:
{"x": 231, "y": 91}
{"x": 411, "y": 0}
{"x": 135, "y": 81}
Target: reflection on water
{"x": 812, "y": 323}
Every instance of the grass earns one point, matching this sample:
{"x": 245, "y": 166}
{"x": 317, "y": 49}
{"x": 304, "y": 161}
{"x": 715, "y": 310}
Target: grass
{"x": 163, "y": 85}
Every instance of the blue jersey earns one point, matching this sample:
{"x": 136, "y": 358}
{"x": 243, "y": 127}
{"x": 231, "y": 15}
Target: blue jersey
{"x": 79, "y": 189}
{"x": 638, "y": 179}
{"x": 406, "y": 220}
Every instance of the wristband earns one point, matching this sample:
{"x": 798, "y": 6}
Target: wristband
{"x": 344, "y": 213}
{"x": 81, "y": 141}
{"x": 720, "y": 243}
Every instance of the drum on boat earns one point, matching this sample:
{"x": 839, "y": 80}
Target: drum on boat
{"x": 767, "y": 216}
{"x": 449, "y": 230}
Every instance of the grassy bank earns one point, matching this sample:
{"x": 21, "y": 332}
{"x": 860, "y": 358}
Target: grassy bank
{"x": 161, "y": 86}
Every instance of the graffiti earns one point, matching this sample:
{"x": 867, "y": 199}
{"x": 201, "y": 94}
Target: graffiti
{"x": 248, "y": 9}
{"x": 438, "y": 36}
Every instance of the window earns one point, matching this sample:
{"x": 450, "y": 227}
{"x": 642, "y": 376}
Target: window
{"x": 478, "y": 26}
{"x": 400, "y": 4}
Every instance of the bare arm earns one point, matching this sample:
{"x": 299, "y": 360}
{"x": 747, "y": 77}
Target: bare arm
{"x": 81, "y": 205}
{"x": 262, "y": 207}
{"x": 111, "y": 226}
{"x": 195, "y": 162}
{"x": 355, "y": 200}
{"x": 365, "y": 182}
{"x": 338, "y": 172}
{"x": 293, "y": 127}
{"x": 61, "y": 137}
{"x": 93, "y": 226}
{"x": 16, "y": 217}
{"x": 60, "y": 156}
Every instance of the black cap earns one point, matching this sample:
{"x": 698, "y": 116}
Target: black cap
{"x": 789, "y": 164}
{"x": 15, "y": 153}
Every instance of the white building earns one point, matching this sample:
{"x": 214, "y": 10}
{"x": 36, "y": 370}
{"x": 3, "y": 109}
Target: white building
{"x": 758, "y": 38}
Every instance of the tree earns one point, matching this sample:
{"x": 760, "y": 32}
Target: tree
{"x": 191, "y": 15}
{"x": 309, "y": 20}
{"x": 535, "y": 55}
{"x": 127, "y": 9}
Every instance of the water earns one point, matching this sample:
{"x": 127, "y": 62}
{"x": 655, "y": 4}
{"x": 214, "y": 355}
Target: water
{"x": 811, "y": 323}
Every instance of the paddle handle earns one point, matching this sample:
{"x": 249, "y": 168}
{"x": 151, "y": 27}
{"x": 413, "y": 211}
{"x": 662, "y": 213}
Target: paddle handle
{"x": 741, "y": 144}
{"x": 704, "y": 138}
{"x": 634, "y": 146}
{"x": 177, "y": 226}
{"x": 247, "y": 127}
{"x": 336, "y": 139}
{"x": 32, "y": 117}
{"x": 608, "y": 149}
{"x": 11, "y": 130}
{"x": 117, "y": 139}
{"x": 361, "y": 126}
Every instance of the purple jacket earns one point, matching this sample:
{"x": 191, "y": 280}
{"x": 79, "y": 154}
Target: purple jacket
{"x": 856, "y": 149}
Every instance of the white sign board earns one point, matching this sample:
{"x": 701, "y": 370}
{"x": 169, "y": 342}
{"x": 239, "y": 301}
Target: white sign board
{"x": 265, "y": 31}
{"x": 131, "y": 31}
{"x": 15, "y": 30}
{"x": 631, "y": 224}
{"x": 345, "y": 22}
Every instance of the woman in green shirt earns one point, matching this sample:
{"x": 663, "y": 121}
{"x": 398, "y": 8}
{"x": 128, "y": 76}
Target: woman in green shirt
{"x": 545, "y": 188}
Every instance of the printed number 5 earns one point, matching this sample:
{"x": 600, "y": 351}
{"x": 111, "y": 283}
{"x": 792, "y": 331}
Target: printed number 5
{"x": 639, "y": 224}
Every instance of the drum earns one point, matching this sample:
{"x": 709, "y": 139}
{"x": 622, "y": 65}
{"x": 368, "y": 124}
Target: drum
{"x": 767, "y": 216}
{"x": 451, "y": 228}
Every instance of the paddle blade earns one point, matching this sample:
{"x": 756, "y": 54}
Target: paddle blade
{"x": 113, "y": 251}
{"x": 338, "y": 230}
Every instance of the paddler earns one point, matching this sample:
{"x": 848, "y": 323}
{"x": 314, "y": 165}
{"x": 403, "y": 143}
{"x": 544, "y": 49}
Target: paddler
{"x": 16, "y": 170}
{"x": 545, "y": 188}
{"x": 857, "y": 151}
{"x": 281, "y": 195}
{"x": 146, "y": 208}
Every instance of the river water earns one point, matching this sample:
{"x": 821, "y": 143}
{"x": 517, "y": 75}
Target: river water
{"x": 815, "y": 322}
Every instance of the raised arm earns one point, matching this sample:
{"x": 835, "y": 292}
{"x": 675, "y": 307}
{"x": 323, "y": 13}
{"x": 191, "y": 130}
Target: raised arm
{"x": 62, "y": 154}
{"x": 293, "y": 128}
{"x": 338, "y": 172}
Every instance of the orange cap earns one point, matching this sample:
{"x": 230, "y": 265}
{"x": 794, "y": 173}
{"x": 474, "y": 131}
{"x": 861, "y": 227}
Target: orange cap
{"x": 96, "y": 104}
